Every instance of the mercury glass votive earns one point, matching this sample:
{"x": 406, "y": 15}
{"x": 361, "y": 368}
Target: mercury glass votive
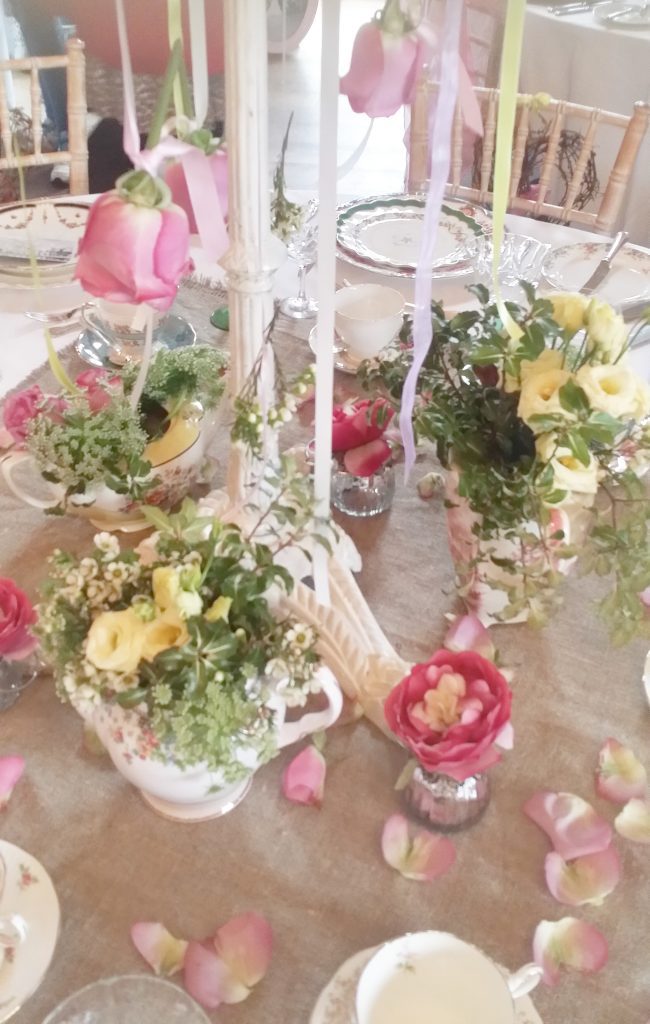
{"x": 445, "y": 803}
{"x": 363, "y": 495}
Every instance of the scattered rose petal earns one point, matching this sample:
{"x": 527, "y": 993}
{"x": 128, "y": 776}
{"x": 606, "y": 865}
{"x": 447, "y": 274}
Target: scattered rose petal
{"x": 162, "y": 951}
{"x": 467, "y": 633}
{"x": 430, "y": 484}
{"x": 570, "y": 822}
{"x": 245, "y": 944}
{"x": 620, "y": 775}
{"x": 587, "y": 879}
{"x": 11, "y": 768}
{"x": 568, "y": 943}
{"x": 633, "y": 822}
{"x": 208, "y": 979}
{"x": 303, "y": 780}
{"x": 415, "y": 853}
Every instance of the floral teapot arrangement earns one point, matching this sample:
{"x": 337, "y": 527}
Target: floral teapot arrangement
{"x": 544, "y": 440}
{"x": 99, "y": 457}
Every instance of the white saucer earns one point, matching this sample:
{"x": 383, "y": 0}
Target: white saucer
{"x": 343, "y": 360}
{"x": 335, "y": 1004}
{"x": 28, "y": 892}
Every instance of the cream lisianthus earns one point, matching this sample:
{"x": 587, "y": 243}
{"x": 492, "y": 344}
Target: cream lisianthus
{"x": 606, "y": 332}
{"x": 168, "y": 630}
{"x": 114, "y": 642}
{"x": 610, "y": 389}
{"x": 550, "y": 359}
{"x": 569, "y": 473}
{"x": 642, "y": 403}
{"x": 569, "y": 310}
{"x": 540, "y": 395}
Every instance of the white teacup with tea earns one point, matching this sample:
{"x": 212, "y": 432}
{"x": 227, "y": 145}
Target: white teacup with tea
{"x": 435, "y": 978}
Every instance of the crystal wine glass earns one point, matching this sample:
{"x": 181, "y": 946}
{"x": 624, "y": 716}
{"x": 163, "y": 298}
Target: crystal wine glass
{"x": 302, "y": 248}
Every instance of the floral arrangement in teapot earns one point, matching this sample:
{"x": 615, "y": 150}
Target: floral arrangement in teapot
{"x": 99, "y": 452}
{"x": 545, "y": 439}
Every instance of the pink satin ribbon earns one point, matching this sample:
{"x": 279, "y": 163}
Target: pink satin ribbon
{"x": 441, "y": 116}
{"x": 201, "y": 186}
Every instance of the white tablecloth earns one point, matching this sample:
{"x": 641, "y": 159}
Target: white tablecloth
{"x": 577, "y": 59}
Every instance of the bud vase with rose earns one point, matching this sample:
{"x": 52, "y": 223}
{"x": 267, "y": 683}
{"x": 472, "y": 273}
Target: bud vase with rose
{"x": 363, "y": 481}
{"x": 18, "y": 666}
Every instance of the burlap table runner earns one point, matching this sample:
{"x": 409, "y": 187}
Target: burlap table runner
{"x": 319, "y": 876}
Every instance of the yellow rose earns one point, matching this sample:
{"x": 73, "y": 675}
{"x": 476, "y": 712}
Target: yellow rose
{"x": 114, "y": 641}
{"x": 166, "y": 585}
{"x": 606, "y": 331}
{"x": 540, "y": 395}
{"x": 569, "y": 473}
{"x": 569, "y": 310}
{"x": 168, "y": 630}
{"x": 219, "y": 609}
{"x": 611, "y": 389}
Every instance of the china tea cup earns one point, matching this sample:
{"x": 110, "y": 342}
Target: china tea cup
{"x": 121, "y": 327}
{"x": 435, "y": 978}
{"x": 367, "y": 317}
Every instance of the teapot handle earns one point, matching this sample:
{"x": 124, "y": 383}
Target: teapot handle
{"x": 524, "y": 980}
{"x": 292, "y": 732}
{"x": 11, "y": 462}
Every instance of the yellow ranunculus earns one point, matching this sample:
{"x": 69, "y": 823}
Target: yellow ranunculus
{"x": 219, "y": 609}
{"x": 168, "y": 630}
{"x": 569, "y": 309}
{"x": 569, "y": 473}
{"x": 606, "y": 331}
{"x": 611, "y": 389}
{"x": 540, "y": 395}
{"x": 166, "y": 585}
{"x": 115, "y": 640}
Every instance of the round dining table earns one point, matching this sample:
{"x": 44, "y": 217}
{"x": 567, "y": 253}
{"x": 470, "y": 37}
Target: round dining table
{"x": 318, "y": 876}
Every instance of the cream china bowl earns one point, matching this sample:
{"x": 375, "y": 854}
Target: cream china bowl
{"x": 367, "y": 317}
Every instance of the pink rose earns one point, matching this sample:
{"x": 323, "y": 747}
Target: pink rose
{"x": 175, "y": 179}
{"x": 133, "y": 253}
{"x": 98, "y": 387}
{"x": 16, "y": 615}
{"x": 451, "y": 711}
{"x": 358, "y": 432}
{"x": 383, "y": 70}
{"x": 20, "y": 409}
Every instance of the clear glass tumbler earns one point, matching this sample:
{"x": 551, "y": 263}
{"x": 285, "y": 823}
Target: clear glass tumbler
{"x": 521, "y": 260}
{"x": 363, "y": 495}
{"x": 130, "y": 999}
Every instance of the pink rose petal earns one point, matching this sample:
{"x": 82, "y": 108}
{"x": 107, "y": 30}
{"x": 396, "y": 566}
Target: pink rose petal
{"x": 415, "y": 853}
{"x": 11, "y": 768}
{"x": 570, "y": 822}
{"x": 587, "y": 879}
{"x": 633, "y": 822}
{"x": 303, "y": 780}
{"x": 208, "y": 979}
{"x": 568, "y": 943}
{"x": 367, "y": 458}
{"x": 245, "y": 944}
{"x": 620, "y": 776}
{"x": 162, "y": 951}
{"x": 467, "y": 633}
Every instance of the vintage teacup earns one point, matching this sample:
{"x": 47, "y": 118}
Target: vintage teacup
{"x": 429, "y": 977}
{"x": 121, "y": 326}
{"x": 367, "y": 317}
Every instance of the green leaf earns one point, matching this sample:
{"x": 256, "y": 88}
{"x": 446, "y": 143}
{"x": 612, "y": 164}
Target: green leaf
{"x": 573, "y": 398}
{"x": 578, "y": 447}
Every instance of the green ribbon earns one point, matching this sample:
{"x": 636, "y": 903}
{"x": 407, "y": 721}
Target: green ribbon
{"x": 175, "y": 33}
{"x": 508, "y": 84}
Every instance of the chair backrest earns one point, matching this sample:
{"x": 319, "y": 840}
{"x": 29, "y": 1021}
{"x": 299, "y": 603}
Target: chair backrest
{"x": 484, "y": 21}
{"x": 542, "y": 199}
{"x": 77, "y": 153}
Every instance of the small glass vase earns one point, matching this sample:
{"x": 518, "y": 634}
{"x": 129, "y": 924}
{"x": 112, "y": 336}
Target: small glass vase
{"x": 445, "y": 803}
{"x": 363, "y": 495}
{"x": 15, "y": 676}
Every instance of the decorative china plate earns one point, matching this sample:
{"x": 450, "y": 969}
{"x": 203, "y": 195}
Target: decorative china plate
{"x": 27, "y": 894}
{"x": 335, "y": 1004}
{"x": 618, "y": 14}
{"x": 570, "y": 266}
{"x": 384, "y": 233}
{"x": 49, "y": 229}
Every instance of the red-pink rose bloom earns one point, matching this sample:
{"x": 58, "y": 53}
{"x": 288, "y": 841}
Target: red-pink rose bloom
{"x": 98, "y": 386}
{"x": 132, "y": 253}
{"x": 175, "y": 179}
{"x": 383, "y": 70}
{"x": 16, "y": 616}
{"x": 450, "y": 712}
{"x": 358, "y": 433}
{"x": 20, "y": 409}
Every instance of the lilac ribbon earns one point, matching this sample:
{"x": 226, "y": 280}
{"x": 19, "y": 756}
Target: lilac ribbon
{"x": 441, "y": 117}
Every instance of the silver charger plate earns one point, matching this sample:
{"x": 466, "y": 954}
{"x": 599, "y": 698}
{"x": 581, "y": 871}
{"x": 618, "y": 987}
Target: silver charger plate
{"x": 384, "y": 233}
{"x": 172, "y": 332}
